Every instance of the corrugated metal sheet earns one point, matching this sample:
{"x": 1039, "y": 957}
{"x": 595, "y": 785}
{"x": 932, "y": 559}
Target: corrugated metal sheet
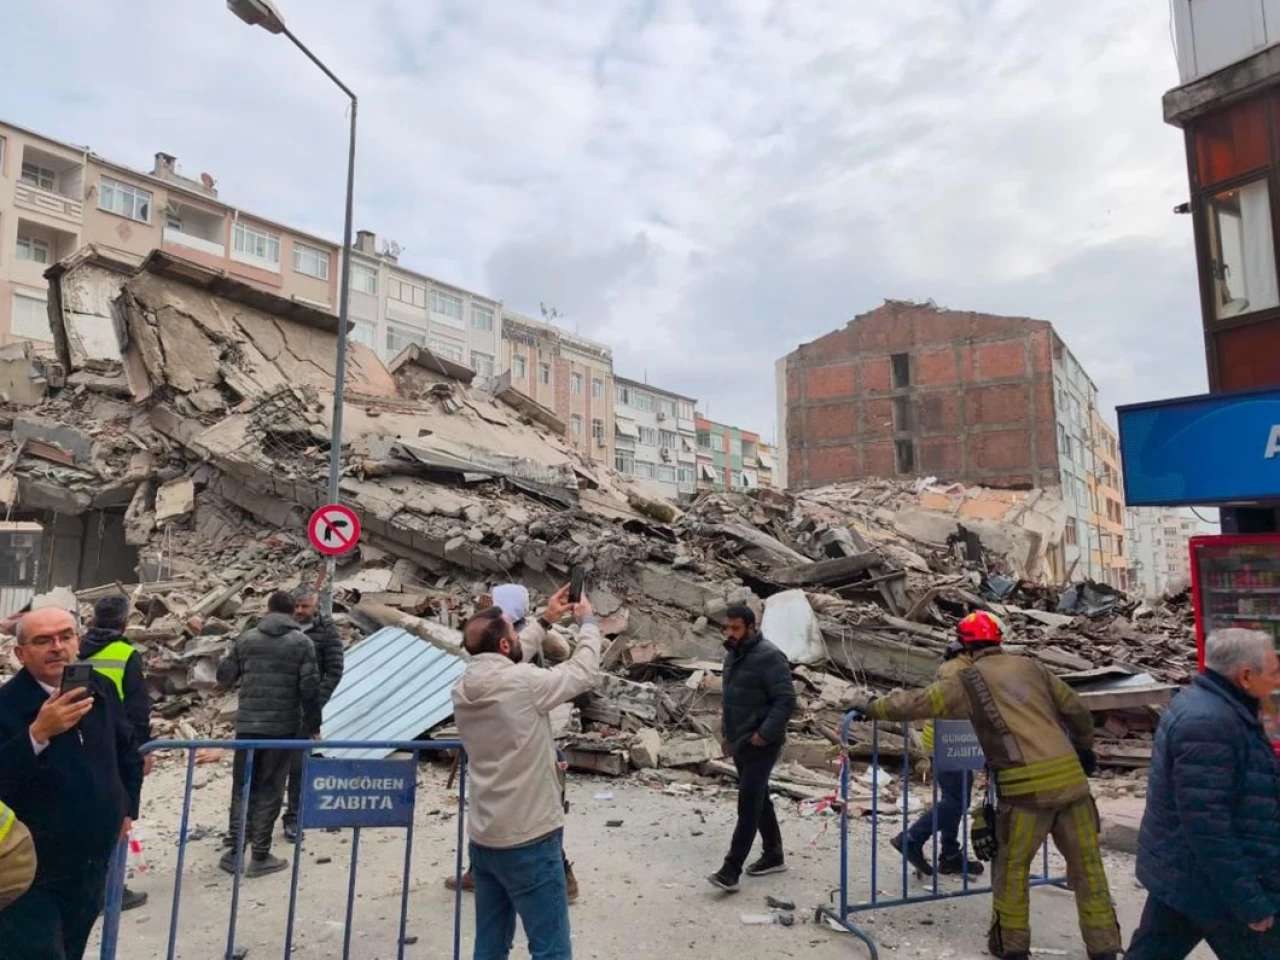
{"x": 395, "y": 686}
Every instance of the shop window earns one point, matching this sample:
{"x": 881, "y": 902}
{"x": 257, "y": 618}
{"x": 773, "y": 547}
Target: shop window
{"x": 1243, "y": 261}
{"x": 1232, "y": 142}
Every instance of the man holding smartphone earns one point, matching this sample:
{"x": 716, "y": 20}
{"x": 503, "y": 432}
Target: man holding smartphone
{"x": 70, "y": 770}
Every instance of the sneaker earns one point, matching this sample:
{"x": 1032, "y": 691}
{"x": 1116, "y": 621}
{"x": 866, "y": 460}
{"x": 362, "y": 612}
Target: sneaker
{"x": 915, "y": 855}
{"x": 228, "y": 861}
{"x": 954, "y": 863}
{"x": 1102, "y": 956}
{"x": 468, "y": 884}
{"x": 132, "y": 899}
{"x": 261, "y": 866}
{"x": 767, "y": 864}
{"x": 724, "y": 880}
{"x": 570, "y": 883}
{"x": 291, "y": 830}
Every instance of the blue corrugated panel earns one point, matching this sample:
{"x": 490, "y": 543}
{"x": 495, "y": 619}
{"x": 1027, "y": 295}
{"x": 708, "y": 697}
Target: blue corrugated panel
{"x": 395, "y": 686}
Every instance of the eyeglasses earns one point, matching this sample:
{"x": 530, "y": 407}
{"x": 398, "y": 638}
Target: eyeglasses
{"x": 63, "y": 638}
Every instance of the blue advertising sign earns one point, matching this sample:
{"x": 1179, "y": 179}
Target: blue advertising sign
{"x": 956, "y": 747}
{"x": 1214, "y": 448}
{"x": 358, "y": 793}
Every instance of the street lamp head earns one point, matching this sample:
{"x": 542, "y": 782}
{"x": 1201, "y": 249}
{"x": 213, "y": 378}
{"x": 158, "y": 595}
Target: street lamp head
{"x": 258, "y": 13}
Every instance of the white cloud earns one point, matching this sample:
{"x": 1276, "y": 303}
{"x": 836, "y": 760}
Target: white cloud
{"x": 703, "y": 183}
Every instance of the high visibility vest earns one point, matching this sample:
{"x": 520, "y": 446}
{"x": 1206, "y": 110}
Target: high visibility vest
{"x": 110, "y": 662}
{"x": 7, "y": 819}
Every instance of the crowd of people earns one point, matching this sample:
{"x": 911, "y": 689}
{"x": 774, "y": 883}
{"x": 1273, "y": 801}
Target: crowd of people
{"x": 72, "y": 771}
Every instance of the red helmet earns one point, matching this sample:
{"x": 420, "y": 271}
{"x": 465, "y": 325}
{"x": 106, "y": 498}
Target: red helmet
{"x": 980, "y": 627}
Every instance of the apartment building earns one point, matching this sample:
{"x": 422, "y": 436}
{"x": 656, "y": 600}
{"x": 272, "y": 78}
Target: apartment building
{"x": 913, "y": 389}
{"x": 1107, "y": 506}
{"x": 729, "y": 458}
{"x": 768, "y": 463}
{"x": 568, "y": 374}
{"x": 1159, "y": 548}
{"x": 56, "y": 197}
{"x": 655, "y": 437}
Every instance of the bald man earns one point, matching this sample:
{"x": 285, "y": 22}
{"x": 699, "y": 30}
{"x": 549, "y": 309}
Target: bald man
{"x": 71, "y": 771}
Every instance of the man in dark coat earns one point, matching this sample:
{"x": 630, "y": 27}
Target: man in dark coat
{"x": 106, "y": 647}
{"x": 275, "y": 663}
{"x": 1209, "y": 845}
{"x": 70, "y": 770}
{"x": 759, "y": 698}
{"x": 329, "y": 663}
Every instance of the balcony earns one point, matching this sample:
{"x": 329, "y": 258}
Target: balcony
{"x": 195, "y": 229}
{"x": 36, "y": 248}
{"x": 50, "y": 185}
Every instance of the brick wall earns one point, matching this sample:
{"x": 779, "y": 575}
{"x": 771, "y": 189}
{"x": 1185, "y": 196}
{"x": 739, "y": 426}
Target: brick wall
{"x": 977, "y": 405}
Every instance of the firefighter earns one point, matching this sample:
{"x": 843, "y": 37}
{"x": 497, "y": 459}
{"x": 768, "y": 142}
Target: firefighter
{"x": 1019, "y": 711}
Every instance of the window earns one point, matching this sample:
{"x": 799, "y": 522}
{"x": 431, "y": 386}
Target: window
{"x": 597, "y": 388}
{"x": 647, "y": 435}
{"x": 597, "y": 429}
{"x": 905, "y": 456}
{"x": 704, "y": 440}
{"x": 1242, "y": 254}
{"x": 519, "y": 369}
{"x": 901, "y": 370}
{"x": 575, "y": 383}
{"x": 443, "y": 348}
{"x": 575, "y": 424}
{"x": 624, "y": 461}
{"x": 667, "y": 438}
{"x": 622, "y": 395}
{"x": 685, "y": 410}
{"x": 735, "y": 446}
{"x": 446, "y": 304}
{"x": 38, "y": 176}
{"x": 641, "y": 400}
{"x": 400, "y": 337}
{"x": 30, "y": 318}
{"x": 364, "y": 279}
{"x": 1119, "y": 544}
{"x": 482, "y": 364}
{"x": 406, "y": 292}
{"x": 1069, "y": 533}
{"x": 132, "y": 202}
{"x": 902, "y": 415}
{"x": 310, "y": 261}
{"x": 251, "y": 244}
{"x": 365, "y": 333}
{"x": 667, "y": 407}
{"x": 645, "y": 468}
{"x": 687, "y": 478}
{"x": 666, "y": 474}
{"x": 544, "y": 373}
{"x": 37, "y": 251}
{"x": 481, "y": 317}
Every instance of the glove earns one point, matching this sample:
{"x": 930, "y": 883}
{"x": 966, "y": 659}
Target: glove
{"x": 858, "y": 708}
{"x": 982, "y": 835}
{"x": 1088, "y": 760}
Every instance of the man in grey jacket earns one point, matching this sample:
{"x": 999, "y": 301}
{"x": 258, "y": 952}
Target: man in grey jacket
{"x": 502, "y": 708}
{"x": 275, "y": 663}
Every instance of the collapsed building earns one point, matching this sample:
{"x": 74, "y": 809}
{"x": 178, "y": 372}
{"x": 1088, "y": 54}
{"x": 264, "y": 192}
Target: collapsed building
{"x": 176, "y": 446}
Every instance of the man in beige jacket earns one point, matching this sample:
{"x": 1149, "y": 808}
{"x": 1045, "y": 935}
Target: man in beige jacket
{"x": 502, "y": 708}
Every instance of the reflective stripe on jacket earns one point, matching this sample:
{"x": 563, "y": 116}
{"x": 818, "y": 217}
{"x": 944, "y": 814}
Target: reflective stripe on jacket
{"x": 946, "y": 670}
{"x": 1018, "y": 709}
{"x": 17, "y": 857}
{"x": 111, "y": 660}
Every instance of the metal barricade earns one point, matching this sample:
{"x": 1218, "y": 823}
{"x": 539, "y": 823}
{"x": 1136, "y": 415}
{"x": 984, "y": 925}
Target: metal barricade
{"x": 336, "y": 793}
{"x": 954, "y": 748}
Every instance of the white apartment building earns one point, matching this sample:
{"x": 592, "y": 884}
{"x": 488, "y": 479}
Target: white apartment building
{"x": 655, "y": 438}
{"x": 1160, "y": 554}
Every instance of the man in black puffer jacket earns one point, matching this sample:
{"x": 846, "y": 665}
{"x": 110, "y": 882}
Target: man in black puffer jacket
{"x": 1209, "y": 846}
{"x": 759, "y": 699}
{"x": 275, "y": 663}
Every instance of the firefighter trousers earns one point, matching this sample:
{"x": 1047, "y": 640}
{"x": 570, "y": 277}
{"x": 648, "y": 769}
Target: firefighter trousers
{"x": 1021, "y": 832}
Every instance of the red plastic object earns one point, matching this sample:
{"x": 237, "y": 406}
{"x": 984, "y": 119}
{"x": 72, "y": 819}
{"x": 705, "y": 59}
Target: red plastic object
{"x": 1235, "y": 582}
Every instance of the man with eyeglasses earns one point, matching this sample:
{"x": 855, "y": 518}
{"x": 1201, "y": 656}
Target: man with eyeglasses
{"x": 70, "y": 770}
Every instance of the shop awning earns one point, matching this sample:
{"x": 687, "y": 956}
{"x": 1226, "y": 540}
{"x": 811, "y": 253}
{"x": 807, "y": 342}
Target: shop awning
{"x": 708, "y": 472}
{"x": 625, "y": 428}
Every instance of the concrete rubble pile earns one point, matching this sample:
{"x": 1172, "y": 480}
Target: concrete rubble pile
{"x": 195, "y": 411}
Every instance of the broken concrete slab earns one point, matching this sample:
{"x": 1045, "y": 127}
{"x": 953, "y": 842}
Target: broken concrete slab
{"x": 55, "y": 441}
{"x": 646, "y": 748}
{"x": 175, "y": 499}
{"x": 686, "y": 753}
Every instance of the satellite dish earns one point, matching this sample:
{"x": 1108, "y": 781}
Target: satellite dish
{"x": 208, "y": 181}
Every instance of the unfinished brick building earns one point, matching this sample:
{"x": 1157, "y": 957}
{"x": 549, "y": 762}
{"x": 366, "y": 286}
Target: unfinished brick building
{"x": 914, "y": 389}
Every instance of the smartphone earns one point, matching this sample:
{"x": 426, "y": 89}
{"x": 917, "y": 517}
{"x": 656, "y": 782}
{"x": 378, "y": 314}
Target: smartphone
{"x": 577, "y": 576}
{"x": 77, "y": 675}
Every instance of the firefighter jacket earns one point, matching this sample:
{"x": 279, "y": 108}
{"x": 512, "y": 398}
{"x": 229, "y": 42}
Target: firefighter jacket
{"x": 946, "y": 670}
{"x": 1018, "y": 710}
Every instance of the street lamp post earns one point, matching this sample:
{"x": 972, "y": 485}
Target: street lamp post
{"x": 263, "y": 13}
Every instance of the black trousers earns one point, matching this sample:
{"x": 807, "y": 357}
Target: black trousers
{"x": 755, "y": 809}
{"x": 270, "y": 774}
{"x": 1166, "y": 934}
{"x": 293, "y": 794}
{"x": 53, "y": 920}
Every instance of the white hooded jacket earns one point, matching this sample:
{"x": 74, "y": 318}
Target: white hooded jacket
{"x": 502, "y": 710}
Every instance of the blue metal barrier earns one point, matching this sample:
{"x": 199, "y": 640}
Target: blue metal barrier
{"x": 844, "y": 909}
{"x": 388, "y": 800}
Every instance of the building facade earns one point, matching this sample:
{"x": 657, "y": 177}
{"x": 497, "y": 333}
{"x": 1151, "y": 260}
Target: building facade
{"x": 1159, "y": 549}
{"x": 1107, "y": 505}
{"x": 56, "y": 197}
{"x": 729, "y": 458}
{"x": 655, "y": 437}
{"x": 915, "y": 390}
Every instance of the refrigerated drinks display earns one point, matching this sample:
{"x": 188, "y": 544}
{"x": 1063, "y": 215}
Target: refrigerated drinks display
{"x": 1235, "y": 582}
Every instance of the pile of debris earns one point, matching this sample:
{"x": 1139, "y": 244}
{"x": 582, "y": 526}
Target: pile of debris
{"x": 195, "y": 413}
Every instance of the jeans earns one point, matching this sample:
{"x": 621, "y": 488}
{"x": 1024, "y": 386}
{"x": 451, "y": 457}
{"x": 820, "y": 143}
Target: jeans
{"x": 53, "y": 920}
{"x": 952, "y": 786}
{"x": 755, "y": 809}
{"x": 266, "y": 794}
{"x": 525, "y": 881}
{"x": 1166, "y": 934}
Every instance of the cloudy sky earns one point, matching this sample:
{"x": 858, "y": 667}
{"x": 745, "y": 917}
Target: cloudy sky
{"x": 704, "y": 184}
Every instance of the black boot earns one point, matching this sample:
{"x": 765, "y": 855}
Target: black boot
{"x": 915, "y": 855}
{"x": 132, "y": 899}
{"x": 954, "y": 863}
